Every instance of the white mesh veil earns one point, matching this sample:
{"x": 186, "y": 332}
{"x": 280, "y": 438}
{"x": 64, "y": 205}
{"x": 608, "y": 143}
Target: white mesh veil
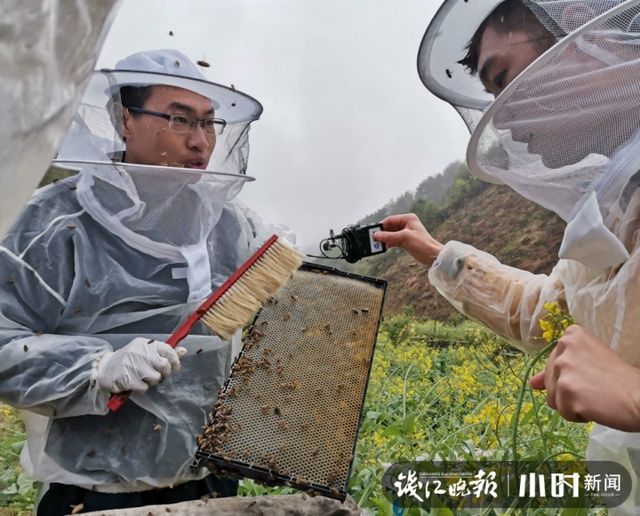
{"x": 452, "y": 28}
{"x": 567, "y": 122}
{"x": 161, "y": 209}
{"x": 443, "y": 46}
{"x": 563, "y": 132}
{"x": 94, "y": 133}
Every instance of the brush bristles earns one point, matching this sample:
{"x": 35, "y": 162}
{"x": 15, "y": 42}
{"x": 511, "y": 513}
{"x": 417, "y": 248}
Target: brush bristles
{"x": 261, "y": 281}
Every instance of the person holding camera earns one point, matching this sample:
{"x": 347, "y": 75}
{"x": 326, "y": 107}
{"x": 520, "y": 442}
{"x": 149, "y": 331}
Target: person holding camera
{"x": 550, "y": 92}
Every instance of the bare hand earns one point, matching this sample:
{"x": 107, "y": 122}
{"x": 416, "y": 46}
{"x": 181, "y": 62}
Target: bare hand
{"x": 408, "y": 232}
{"x": 586, "y": 381}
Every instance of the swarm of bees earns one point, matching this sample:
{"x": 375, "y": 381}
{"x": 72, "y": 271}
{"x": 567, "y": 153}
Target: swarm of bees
{"x": 244, "y": 367}
{"x": 216, "y": 432}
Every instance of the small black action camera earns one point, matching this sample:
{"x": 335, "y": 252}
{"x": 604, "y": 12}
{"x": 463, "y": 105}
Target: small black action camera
{"x": 354, "y": 243}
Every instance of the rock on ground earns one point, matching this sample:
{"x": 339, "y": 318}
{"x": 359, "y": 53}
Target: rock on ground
{"x": 285, "y": 505}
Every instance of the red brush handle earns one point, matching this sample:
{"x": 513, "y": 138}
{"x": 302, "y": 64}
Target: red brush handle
{"x": 117, "y": 400}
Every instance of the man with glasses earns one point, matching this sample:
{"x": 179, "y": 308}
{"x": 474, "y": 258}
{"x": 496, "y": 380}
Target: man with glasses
{"x": 192, "y": 132}
{"x": 101, "y": 267}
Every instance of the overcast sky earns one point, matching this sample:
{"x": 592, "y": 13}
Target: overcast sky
{"x": 347, "y": 124}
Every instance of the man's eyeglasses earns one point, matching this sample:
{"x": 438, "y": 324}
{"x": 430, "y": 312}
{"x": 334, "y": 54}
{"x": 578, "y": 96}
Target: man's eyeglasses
{"x": 186, "y": 123}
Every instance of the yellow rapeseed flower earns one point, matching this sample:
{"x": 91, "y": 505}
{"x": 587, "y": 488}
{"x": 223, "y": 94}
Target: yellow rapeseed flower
{"x": 553, "y": 308}
{"x": 545, "y": 325}
{"x": 554, "y": 322}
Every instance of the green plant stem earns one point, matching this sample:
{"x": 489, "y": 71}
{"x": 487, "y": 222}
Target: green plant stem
{"x": 374, "y": 481}
{"x": 538, "y": 422}
{"x": 523, "y": 388}
{"x": 452, "y": 434}
{"x": 404, "y": 392}
{"x": 557, "y": 454}
{"x": 384, "y": 386}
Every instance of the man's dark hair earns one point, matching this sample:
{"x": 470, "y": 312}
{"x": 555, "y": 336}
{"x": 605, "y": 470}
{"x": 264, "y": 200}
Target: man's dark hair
{"x": 134, "y": 96}
{"x": 127, "y": 97}
{"x": 510, "y": 15}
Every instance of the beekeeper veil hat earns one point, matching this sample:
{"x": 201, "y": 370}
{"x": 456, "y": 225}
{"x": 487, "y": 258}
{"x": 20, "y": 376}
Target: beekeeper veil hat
{"x": 563, "y": 132}
{"x": 164, "y": 209}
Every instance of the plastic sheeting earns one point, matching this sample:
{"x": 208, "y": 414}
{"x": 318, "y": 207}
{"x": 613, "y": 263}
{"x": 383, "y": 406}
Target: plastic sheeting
{"x": 73, "y": 291}
{"x": 48, "y": 50}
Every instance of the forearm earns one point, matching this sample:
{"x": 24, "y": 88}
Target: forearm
{"x": 53, "y": 375}
{"x": 507, "y": 300}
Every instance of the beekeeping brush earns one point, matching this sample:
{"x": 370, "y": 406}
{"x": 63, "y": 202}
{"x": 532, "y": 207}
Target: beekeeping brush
{"x": 238, "y": 299}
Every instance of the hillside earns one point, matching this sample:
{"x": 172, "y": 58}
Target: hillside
{"x": 496, "y": 220}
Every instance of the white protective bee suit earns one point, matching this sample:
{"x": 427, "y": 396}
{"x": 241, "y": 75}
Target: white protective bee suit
{"x": 564, "y": 134}
{"x": 48, "y": 55}
{"x": 116, "y": 252}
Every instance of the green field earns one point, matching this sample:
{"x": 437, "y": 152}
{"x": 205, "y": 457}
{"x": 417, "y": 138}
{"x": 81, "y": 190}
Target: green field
{"x": 16, "y": 489}
{"x": 435, "y": 391}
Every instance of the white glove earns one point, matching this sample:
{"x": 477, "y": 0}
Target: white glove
{"x": 138, "y": 365}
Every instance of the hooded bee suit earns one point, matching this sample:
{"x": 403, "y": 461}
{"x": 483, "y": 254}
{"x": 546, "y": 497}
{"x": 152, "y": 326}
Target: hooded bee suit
{"x": 564, "y": 134}
{"x": 116, "y": 252}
